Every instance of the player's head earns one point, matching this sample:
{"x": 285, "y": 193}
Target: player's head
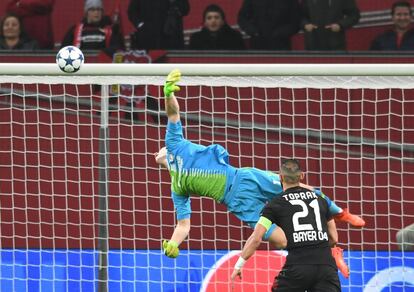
{"x": 93, "y": 11}
{"x": 11, "y": 26}
{"x": 290, "y": 172}
{"x": 214, "y": 18}
{"x": 161, "y": 157}
{"x": 401, "y": 15}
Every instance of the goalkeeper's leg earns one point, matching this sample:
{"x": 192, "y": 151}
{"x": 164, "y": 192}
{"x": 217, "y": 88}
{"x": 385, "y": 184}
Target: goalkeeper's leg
{"x": 352, "y": 219}
{"x": 341, "y": 215}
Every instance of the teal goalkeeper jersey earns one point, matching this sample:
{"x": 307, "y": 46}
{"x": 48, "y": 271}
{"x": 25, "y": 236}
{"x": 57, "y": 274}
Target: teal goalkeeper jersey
{"x": 198, "y": 170}
{"x": 205, "y": 171}
{"x": 195, "y": 170}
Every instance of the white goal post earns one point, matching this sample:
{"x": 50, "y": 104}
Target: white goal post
{"x": 214, "y": 69}
{"x": 83, "y": 206}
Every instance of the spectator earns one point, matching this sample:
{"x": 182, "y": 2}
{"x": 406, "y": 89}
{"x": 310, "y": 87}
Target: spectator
{"x": 405, "y": 238}
{"x": 159, "y": 23}
{"x": 401, "y": 37}
{"x": 95, "y": 31}
{"x": 325, "y": 22}
{"x": 36, "y": 18}
{"x": 270, "y": 24}
{"x": 13, "y": 37}
{"x": 216, "y": 33}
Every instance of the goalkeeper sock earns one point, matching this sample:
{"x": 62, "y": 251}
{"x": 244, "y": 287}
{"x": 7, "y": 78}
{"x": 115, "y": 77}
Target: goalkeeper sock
{"x": 334, "y": 209}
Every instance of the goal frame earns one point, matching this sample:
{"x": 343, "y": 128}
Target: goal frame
{"x": 196, "y": 69}
{"x": 115, "y": 74}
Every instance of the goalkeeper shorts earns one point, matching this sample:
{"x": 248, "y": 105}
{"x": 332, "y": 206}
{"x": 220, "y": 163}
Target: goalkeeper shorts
{"x": 252, "y": 188}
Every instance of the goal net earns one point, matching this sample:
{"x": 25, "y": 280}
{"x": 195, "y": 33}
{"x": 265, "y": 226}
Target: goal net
{"x": 84, "y": 206}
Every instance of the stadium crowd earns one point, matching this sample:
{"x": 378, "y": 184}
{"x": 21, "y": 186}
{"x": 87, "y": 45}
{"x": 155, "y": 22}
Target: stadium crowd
{"x": 158, "y": 24}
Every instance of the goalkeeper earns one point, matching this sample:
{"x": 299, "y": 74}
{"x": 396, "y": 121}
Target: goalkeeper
{"x": 206, "y": 172}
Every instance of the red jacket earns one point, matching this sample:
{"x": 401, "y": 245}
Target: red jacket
{"x": 37, "y": 19}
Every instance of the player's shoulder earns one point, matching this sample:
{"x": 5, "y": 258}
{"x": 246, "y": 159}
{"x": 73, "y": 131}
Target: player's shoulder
{"x": 277, "y": 201}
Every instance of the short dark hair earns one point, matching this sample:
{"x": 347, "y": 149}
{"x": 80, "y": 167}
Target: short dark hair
{"x": 400, "y": 4}
{"x": 291, "y": 171}
{"x": 214, "y": 8}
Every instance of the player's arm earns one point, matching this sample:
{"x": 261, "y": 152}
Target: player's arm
{"x": 337, "y": 252}
{"x": 182, "y": 207}
{"x": 332, "y": 233}
{"x": 253, "y": 242}
{"x": 172, "y": 107}
{"x": 251, "y": 245}
{"x": 181, "y": 231}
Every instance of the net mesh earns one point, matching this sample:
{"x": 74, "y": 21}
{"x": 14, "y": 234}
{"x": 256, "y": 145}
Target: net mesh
{"x": 353, "y": 135}
{"x": 322, "y": 82}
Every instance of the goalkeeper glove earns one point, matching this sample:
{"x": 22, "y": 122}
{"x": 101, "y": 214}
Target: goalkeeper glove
{"x": 170, "y": 84}
{"x": 170, "y": 249}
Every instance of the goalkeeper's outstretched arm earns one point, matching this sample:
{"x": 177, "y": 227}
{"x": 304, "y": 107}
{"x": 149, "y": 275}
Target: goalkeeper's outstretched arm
{"x": 181, "y": 231}
{"x": 172, "y": 107}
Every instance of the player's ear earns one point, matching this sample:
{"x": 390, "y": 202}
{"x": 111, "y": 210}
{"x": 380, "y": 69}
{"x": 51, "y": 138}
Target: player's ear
{"x": 302, "y": 175}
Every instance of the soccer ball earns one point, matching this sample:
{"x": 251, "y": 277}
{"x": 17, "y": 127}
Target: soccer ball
{"x": 69, "y": 59}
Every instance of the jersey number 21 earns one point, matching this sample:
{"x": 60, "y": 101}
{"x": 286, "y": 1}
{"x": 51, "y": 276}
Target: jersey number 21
{"x": 304, "y": 213}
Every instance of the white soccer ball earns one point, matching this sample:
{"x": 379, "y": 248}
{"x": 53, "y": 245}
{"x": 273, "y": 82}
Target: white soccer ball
{"x": 69, "y": 59}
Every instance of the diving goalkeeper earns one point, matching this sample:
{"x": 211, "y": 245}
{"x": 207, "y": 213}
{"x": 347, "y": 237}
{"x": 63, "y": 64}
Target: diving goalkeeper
{"x": 205, "y": 171}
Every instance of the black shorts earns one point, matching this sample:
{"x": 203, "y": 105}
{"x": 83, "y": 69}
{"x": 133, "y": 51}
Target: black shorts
{"x": 311, "y": 278}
